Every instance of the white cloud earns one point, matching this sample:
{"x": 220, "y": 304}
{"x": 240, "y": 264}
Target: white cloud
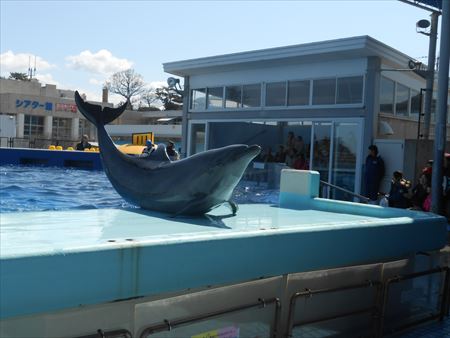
{"x": 20, "y": 62}
{"x": 96, "y": 82}
{"x": 47, "y": 79}
{"x": 102, "y": 62}
{"x": 157, "y": 84}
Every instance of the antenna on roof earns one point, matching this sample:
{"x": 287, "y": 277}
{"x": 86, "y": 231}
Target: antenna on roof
{"x": 31, "y": 71}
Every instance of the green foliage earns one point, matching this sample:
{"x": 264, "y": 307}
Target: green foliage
{"x": 18, "y": 76}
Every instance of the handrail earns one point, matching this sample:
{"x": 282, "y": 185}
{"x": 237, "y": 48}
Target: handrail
{"x": 361, "y": 197}
{"x": 167, "y": 325}
{"x": 291, "y": 323}
{"x": 443, "y": 308}
{"x": 121, "y": 333}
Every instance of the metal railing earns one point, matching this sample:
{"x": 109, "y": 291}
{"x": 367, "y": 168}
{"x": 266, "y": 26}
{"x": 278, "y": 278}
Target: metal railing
{"x": 351, "y": 193}
{"x": 443, "y": 307}
{"x": 167, "y": 325}
{"x": 121, "y": 333}
{"x": 372, "y": 310}
{"x": 37, "y": 143}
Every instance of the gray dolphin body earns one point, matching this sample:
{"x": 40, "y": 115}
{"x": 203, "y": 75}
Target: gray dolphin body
{"x": 191, "y": 186}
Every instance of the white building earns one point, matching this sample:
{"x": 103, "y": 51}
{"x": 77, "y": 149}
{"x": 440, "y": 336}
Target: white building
{"x": 338, "y": 95}
{"x": 43, "y": 112}
{"x": 46, "y": 115}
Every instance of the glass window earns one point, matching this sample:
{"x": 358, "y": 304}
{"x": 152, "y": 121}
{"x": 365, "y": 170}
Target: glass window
{"x": 197, "y": 138}
{"x": 324, "y": 91}
{"x": 251, "y": 95}
{"x": 386, "y": 96}
{"x": 33, "y": 126}
{"x": 84, "y": 127}
{"x": 349, "y": 89}
{"x": 321, "y": 150}
{"x": 344, "y": 159}
{"x": 198, "y": 99}
{"x": 401, "y": 102}
{"x": 215, "y": 97}
{"x": 233, "y": 96}
{"x": 276, "y": 94}
{"x": 298, "y": 93}
{"x": 415, "y": 103}
{"x": 61, "y": 128}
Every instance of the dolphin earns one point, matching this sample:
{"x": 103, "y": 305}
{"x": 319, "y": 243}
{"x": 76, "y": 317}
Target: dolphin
{"x": 190, "y": 186}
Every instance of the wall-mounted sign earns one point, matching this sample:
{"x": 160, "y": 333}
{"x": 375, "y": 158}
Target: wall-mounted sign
{"x": 71, "y": 107}
{"x": 34, "y": 104}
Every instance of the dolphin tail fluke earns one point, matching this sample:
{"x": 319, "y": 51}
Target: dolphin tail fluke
{"x": 95, "y": 113}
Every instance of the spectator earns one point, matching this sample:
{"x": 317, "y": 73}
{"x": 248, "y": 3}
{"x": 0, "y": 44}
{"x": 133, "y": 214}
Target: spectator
{"x": 299, "y": 145}
{"x": 149, "y": 148}
{"x": 374, "y": 172}
{"x": 420, "y": 192}
{"x": 171, "y": 152}
{"x": 300, "y": 162}
{"x": 290, "y": 143}
{"x": 280, "y": 155}
{"x": 398, "y": 195}
{"x": 84, "y": 143}
{"x": 290, "y": 157}
{"x": 268, "y": 156}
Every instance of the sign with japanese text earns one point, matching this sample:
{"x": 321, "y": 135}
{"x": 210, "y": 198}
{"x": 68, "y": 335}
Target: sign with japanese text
{"x": 32, "y": 104}
{"x": 70, "y": 107}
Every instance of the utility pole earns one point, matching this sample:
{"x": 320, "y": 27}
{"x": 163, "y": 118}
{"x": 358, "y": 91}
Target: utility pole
{"x": 440, "y": 137}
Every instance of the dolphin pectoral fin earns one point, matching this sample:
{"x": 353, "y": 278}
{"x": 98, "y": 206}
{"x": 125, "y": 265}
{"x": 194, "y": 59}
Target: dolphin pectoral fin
{"x": 233, "y": 206}
{"x": 188, "y": 206}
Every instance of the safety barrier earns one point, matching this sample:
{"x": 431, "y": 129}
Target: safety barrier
{"x": 170, "y": 325}
{"x": 377, "y": 293}
{"x": 109, "y": 334}
{"x": 443, "y": 304}
{"x": 37, "y": 143}
{"x": 308, "y": 293}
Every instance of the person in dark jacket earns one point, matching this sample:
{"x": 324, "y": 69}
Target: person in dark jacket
{"x": 398, "y": 195}
{"x": 374, "y": 172}
{"x": 84, "y": 143}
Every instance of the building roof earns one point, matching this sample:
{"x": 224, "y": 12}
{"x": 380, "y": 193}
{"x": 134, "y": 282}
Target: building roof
{"x": 359, "y": 46}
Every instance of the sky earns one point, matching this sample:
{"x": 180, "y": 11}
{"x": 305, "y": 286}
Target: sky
{"x": 78, "y": 45}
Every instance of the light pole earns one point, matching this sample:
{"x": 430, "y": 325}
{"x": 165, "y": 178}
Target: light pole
{"x": 430, "y": 73}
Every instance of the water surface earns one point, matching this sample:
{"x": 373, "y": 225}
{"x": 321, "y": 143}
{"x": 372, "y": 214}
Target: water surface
{"x": 26, "y": 188}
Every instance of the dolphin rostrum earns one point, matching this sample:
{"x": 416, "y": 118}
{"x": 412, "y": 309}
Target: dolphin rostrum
{"x": 190, "y": 186}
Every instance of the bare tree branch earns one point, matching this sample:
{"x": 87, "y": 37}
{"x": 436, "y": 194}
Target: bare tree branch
{"x": 126, "y": 83}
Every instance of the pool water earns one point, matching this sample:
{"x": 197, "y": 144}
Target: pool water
{"x": 26, "y": 188}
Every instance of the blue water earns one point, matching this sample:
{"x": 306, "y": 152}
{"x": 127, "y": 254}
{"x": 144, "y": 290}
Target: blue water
{"x": 24, "y": 188}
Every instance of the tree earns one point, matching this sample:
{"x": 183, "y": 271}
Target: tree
{"x": 18, "y": 76}
{"x": 126, "y": 83}
{"x": 172, "y": 99}
{"x": 149, "y": 97}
